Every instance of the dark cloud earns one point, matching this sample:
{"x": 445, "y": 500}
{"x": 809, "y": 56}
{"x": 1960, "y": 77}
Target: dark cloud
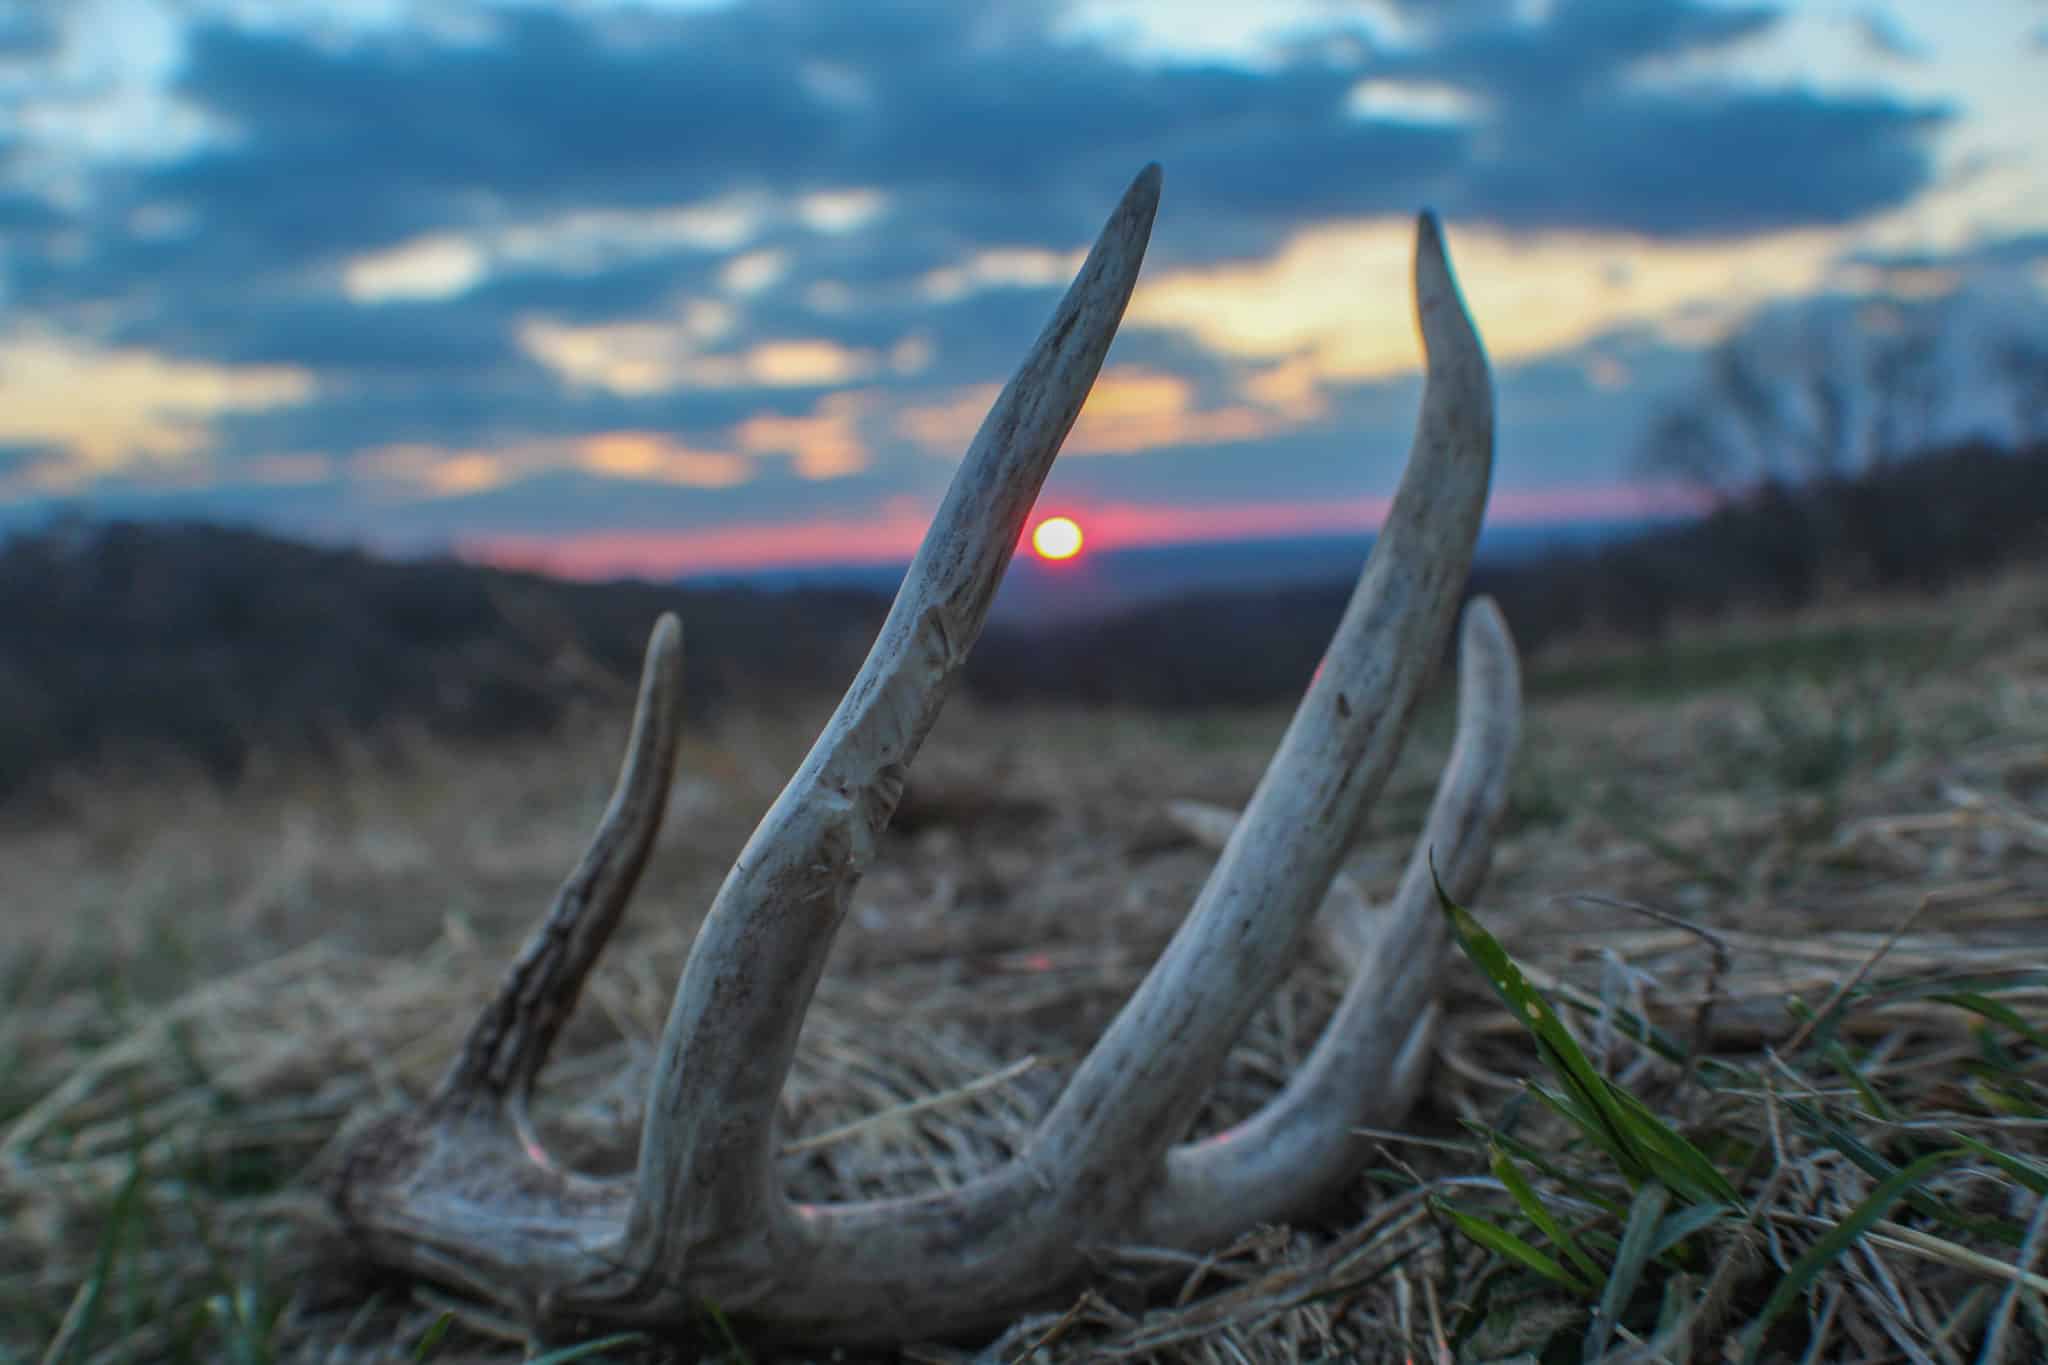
{"x": 472, "y": 335}
{"x": 25, "y": 33}
{"x": 980, "y": 135}
{"x": 980, "y": 127}
{"x": 25, "y": 216}
{"x": 1019, "y": 142}
{"x": 489, "y": 412}
{"x": 1582, "y": 49}
{"x": 424, "y": 340}
{"x": 1574, "y": 142}
{"x": 1705, "y": 164}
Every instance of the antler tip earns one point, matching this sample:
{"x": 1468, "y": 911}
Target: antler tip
{"x": 1137, "y": 209}
{"x": 1432, "y": 261}
{"x": 1449, "y": 338}
{"x": 667, "y": 636}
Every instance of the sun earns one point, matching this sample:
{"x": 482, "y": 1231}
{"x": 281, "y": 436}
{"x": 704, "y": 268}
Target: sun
{"x": 1057, "y": 538}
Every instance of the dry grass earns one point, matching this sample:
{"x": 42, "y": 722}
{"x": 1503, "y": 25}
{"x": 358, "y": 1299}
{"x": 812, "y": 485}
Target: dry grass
{"x": 201, "y": 989}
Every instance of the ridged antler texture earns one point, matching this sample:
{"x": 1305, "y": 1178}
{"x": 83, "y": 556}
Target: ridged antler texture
{"x": 461, "y": 1191}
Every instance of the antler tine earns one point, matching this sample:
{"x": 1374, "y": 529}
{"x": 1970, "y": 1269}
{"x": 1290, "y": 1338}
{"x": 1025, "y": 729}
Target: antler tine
{"x": 705, "y": 1169}
{"x": 1142, "y": 1083}
{"x": 474, "y": 1203}
{"x": 1371, "y": 1058}
{"x": 513, "y": 1035}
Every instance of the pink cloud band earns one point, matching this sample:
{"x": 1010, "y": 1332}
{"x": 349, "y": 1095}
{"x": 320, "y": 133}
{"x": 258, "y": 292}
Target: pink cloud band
{"x": 892, "y": 535}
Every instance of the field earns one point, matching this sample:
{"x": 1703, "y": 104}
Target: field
{"x": 1787, "y": 884}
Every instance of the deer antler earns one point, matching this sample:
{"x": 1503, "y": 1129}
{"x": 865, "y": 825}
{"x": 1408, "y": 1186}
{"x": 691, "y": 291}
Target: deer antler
{"x": 461, "y": 1191}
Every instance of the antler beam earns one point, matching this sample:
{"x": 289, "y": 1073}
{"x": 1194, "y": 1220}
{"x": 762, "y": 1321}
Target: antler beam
{"x": 462, "y": 1191}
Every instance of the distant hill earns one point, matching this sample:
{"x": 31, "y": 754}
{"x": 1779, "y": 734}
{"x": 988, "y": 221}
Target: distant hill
{"x": 123, "y": 641}
{"x": 1115, "y": 582}
{"x": 1915, "y": 525}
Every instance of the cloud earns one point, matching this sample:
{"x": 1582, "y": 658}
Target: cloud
{"x": 1578, "y": 48}
{"x": 1884, "y": 36}
{"x": 433, "y": 267}
{"x": 108, "y": 410}
{"x": 1334, "y": 305}
{"x": 740, "y": 256}
{"x": 826, "y": 444}
{"x": 634, "y": 456}
{"x": 1705, "y": 164}
{"x": 653, "y": 456}
{"x": 1130, "y": 410}
{"x": 2015, "y": 250}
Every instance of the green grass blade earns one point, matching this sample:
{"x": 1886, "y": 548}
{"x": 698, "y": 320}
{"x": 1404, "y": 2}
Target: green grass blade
{"x": 588, "y": 1349}
{"x": 1505, "y": 1244}
{"x": 1680, "y": 1164}
{"x": 1875, "y": 1164}
{"x": 1576, "y": 1186}
{"x": 1838, "y": 1239}
{"x": 1554, "y": 1043}
{"x": 1998, "y": 1012}
{"x": 124, "y": 1210}
{"x": 1533, "y": 1208}
{"x": 431, "y": 1338}
{"x": 1638, "y": 1246}
{"x": 2028, "y": 1172}
{"x": 1683, "y": 1224}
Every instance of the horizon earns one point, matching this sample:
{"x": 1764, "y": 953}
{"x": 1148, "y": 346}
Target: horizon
{"x": 737, "y": 552}
{"x": 655, "y": 287}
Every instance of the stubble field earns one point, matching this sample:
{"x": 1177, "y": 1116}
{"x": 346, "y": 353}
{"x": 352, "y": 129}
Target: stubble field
{"x": 1812, "y": 857}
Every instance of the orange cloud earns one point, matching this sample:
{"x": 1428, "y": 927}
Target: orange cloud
{"x": 654, "y": 457}
{"x": 805, "y": 364}
{"x": 113, "y": 410}
{"x": 1290, "y": 388}
{"x": 827, "y": 444}
{"x": 945, "y": 428}
{"x": 1130, "y": 409}
{"x": 640, "y": 358}
{"x": 442, "y": 471}
{"x": 1337, "y": 294}
{"x": 435, "y": 470}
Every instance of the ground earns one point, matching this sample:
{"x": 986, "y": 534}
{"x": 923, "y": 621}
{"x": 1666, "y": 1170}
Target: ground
{"x": 1720, "y": 837}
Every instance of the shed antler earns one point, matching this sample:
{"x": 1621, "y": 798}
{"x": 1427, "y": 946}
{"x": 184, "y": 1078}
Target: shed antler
{"x": 462, "y": 1191}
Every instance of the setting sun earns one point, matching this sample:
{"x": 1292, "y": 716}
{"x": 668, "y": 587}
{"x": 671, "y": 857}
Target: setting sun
{"x": 1057, "y": 538}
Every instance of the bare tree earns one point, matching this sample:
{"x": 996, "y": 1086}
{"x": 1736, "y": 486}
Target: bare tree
{"x": 2021, "y": 363}
{"x": 1685, "y": 443}
{"x": 1908, "y": 388}
{"x": 1740, "y": 383}
{"x": 1822, "y": 381}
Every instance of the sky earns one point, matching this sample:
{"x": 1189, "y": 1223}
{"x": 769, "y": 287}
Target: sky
{"x": 659, "y": 288}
